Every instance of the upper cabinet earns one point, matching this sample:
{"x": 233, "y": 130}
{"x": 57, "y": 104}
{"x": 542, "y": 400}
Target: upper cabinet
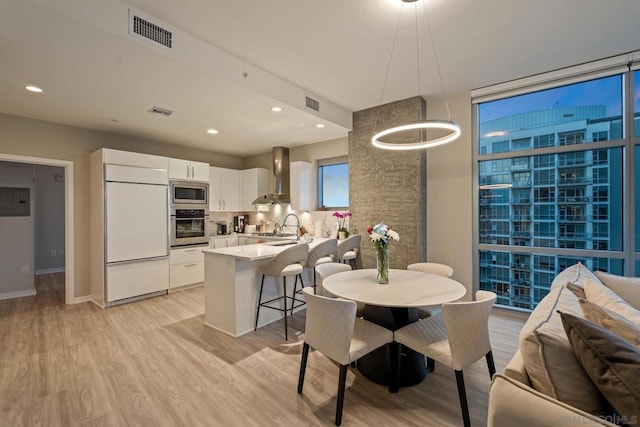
{"x": 301, "y": 186}
{"x": 224, "y": 190}
{"x": 188, "y": 170}
{"x": 255, "y": 183}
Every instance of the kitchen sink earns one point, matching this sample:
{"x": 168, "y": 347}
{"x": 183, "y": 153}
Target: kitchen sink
{"x": 272, "y": 234}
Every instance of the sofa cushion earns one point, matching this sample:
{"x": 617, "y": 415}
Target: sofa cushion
{"x": 611, "y": 321}
{"x": 627, "y": 287}
{"x": 551, "y": 364}
{"x": 574, "y": 274}
{"x": 611, "y": 362}
{"x": 599, "y": 294}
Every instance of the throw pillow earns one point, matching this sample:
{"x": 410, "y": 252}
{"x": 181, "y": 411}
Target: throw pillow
{"x": 627, "y": 287}
{"x": 611, "y": 321}
{"x": 577, "y": 290}
{"x": 599, "y": 294}
{"x": 548, "y": 357}
{"x": 611, "y": 362}
{"x": 575, "y": 274}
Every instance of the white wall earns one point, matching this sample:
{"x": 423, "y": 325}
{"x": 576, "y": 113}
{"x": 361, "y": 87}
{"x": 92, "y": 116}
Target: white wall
{"x": 450, "y": 193}
{"x": 49, "y": 218}
{"x": 16, "y": 237}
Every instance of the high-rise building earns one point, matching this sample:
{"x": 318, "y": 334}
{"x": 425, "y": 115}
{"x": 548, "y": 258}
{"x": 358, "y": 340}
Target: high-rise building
{"x": 567, "y": 200}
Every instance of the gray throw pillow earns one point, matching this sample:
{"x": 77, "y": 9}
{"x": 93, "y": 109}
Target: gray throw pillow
{"x": 611, "y": 362}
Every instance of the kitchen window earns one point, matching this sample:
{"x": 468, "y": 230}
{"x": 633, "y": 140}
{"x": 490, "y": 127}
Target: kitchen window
{"x": 333, "y": 183}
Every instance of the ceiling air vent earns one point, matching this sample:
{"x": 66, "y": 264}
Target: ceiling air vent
{"x": 151, "y": 31}
{"x": 312, "y": 103}
{"x": 161, "y": 111}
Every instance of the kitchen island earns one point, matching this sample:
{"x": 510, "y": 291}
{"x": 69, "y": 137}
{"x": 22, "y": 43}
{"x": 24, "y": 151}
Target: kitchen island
{"x": 232, "y": 285}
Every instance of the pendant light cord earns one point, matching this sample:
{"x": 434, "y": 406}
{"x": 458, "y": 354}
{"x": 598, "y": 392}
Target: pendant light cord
{"x": 393, "y": 46}
{"x": 435, "y": 57}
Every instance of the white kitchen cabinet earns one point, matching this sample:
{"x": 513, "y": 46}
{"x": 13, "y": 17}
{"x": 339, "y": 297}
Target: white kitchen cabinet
{"x": 188, "y": 170}
{"x": 186, "y": 267}
{"x": 224, "y": 242}
{"x": 255, "y": 183}
{"x": 301, "y": 186}
{"x": 224, "y": 190}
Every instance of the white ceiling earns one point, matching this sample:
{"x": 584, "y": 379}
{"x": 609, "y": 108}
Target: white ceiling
{"x": 233, "y": 60}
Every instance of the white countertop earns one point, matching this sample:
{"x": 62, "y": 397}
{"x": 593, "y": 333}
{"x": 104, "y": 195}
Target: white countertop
{"x": 259, "y": 250}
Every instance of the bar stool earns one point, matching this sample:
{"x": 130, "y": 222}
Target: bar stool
{"x": 322, "y": 253}
{"x": 289, "y": 262}
{"x": 348, "y": 251}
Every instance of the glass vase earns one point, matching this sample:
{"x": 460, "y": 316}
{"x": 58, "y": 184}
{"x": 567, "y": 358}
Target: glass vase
{"x": 383, "y": 265}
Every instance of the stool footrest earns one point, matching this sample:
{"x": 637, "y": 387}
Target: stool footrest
{"x": 301, "y": 303}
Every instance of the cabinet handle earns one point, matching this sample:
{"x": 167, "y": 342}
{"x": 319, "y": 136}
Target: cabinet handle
{"x": 190, "y": 250}
{"x": 219, "y": 205}
{"x": 193, "y": 172}
{"x": 224, "y": 204}
{"x": 190, "y": 265}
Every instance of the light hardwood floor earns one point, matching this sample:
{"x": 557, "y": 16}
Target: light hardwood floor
{"x": 154, "y": 363}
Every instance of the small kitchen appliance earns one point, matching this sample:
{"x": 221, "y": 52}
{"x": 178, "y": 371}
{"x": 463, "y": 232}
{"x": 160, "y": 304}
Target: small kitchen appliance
{"x": 239, "y": 222}
{"x": 222, "y": 227}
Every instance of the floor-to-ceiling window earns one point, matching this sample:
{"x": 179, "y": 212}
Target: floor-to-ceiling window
{"x": 556, "y": 184}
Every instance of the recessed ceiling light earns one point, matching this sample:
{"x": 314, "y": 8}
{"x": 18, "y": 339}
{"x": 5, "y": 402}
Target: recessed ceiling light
{"x": 276, "y": 109}
{"x": 35, "y": 89}
{"x": 320, "y": 125}
{"x": 212, "y": 131}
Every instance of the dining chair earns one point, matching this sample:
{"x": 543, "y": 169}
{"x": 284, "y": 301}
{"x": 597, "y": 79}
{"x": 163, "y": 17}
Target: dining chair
{"x": 322, "y": 253}
{"x": 325, "y": 270}
{"x": 457, "y": 337}
{"x": 333, "y": 329}
{"x": 348, "y": 251}
{"x": 289, "y": 262}
{"x": 432, "y": 268}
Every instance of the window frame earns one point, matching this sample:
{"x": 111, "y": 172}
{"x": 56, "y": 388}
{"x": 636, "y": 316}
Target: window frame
{"x": 319, "y": 164}
{"x": 630, "y": 254}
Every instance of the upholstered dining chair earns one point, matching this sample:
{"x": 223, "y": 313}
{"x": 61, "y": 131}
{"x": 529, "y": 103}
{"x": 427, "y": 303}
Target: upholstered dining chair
{"x": 325, "y": 270}
{"x": 333, "y": 329}
{"x": 348, "y": 251}
{"x": 432, "y": 268}
{"x": 289, "y": 262}
{"x": 457, "y": 337}
{"x": 322, "y": 253}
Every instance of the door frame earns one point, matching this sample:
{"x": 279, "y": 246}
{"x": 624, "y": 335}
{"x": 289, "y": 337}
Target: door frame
{"x": 69, "y": 265}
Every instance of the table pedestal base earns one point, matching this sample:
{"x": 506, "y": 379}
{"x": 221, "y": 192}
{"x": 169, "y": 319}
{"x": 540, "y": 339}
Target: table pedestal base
{"x": 381, "y": 365}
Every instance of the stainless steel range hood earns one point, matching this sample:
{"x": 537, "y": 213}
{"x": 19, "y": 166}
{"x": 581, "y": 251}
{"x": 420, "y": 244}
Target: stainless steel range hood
{"x": 281, "y": 179}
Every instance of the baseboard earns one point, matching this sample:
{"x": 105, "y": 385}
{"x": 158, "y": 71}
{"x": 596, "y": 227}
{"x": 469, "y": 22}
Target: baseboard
{"x": 17, "y": 294}
{"x": 50, "y": 270}
{"x": 78, "y": 300}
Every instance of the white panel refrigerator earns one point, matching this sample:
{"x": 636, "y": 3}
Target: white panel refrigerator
{"x": 136, "y": 231}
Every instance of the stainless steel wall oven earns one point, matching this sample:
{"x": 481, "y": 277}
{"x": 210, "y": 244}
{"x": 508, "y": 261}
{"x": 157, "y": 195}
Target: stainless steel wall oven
{"x": 189, "y": 225}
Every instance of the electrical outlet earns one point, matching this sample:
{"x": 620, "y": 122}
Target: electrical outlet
{"x": 25, "y": 269}
{"x": 54, "y": 253}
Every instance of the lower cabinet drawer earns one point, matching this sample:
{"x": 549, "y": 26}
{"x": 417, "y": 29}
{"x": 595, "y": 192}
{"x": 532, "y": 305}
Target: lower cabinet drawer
{"x": 186, "y": 274}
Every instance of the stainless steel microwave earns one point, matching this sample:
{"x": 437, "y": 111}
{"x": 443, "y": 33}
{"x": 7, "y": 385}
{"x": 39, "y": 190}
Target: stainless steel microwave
{"x": 189, "y": 193}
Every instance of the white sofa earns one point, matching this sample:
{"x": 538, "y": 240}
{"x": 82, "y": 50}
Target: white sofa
{"x": 544, "y": 384}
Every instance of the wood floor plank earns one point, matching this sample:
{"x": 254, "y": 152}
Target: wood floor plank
{"x": 153, "y": 362}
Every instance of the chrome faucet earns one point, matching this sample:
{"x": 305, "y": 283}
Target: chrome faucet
{"x": 284, "y": 224}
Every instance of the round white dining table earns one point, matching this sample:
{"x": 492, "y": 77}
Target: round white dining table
{"x": 405, "y": 289}
{"x": 393, "y": 305}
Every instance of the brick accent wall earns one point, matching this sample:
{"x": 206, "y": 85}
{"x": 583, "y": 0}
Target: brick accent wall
{"x": 386, "y": 185}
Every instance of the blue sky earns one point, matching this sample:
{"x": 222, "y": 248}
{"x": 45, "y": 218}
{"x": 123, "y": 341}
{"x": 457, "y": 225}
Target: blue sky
{"x": 604, "y": 91}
